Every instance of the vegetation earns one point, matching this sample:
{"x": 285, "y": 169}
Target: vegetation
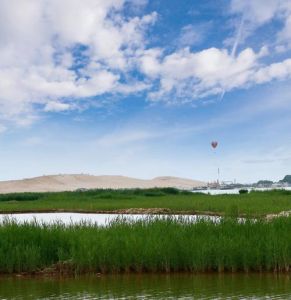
{"x": 286, "y": 179}
{"x": 265, "y": 182}
{"x": 152, "y": 245}
{"x": 170, "y": 200}
{"x": 243, "y": 191}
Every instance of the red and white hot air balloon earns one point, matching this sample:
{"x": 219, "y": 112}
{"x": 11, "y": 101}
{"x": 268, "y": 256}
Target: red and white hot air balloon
{"x": 214, "y": 144}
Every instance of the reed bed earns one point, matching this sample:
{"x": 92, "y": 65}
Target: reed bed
{"x": 169, "y": 199}
{"x": 152, "y": 245}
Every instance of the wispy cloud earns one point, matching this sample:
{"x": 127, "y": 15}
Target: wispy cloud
{"x": 193, "y": 34}
{"x": 55, "y": 106}
{"x": 2, "y": 128}
{"x": 33, "y": 141}
{"x": 126, "y": 137}
{"x": 260, "y": 12}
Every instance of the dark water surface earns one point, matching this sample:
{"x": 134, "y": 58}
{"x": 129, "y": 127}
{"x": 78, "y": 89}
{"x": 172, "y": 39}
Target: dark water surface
{"x": 238, "y": 286}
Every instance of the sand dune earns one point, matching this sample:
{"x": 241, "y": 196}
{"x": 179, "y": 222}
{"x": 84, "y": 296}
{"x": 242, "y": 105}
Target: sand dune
{"x": 56, "y": 183}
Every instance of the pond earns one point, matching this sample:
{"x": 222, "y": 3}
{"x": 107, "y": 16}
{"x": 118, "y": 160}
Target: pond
{"x": 179, "y": 286}
{"x": 236, "y": 190}
{"x": 98, "y": 219}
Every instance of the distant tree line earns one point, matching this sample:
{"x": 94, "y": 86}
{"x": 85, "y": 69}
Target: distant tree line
{"x": 286, "y": 179}
{"x": 265, "y": 182}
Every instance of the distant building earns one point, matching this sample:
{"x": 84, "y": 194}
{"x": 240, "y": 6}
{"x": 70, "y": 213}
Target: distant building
{"x": 264, "y": 184}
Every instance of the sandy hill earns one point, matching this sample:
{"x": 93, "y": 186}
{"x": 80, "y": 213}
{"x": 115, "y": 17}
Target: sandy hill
{"x": 56, "y": 183}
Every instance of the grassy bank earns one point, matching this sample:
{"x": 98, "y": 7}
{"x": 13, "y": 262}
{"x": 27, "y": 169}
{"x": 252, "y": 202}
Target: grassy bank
{"x": 169, "y": 199}
{"x": 147, "y": 246}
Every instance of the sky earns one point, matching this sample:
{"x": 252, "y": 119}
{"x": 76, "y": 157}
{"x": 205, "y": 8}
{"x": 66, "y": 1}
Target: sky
{"x": 141, "y": 88}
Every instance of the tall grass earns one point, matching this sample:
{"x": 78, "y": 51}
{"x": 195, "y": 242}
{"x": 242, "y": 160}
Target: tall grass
{"x": 151, "y": 245}
{"x": 175, "y": 201}
{"x": 21, "y": 196}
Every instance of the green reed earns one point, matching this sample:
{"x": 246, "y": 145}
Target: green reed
{"x": 172, "y": 200}
{"x": 152, "y": 245}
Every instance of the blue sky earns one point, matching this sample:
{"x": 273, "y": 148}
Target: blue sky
{"x": 141, "y": 88}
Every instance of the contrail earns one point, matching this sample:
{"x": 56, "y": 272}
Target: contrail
{"x": 234, "y": 48}
{"x": 237, "y": 40}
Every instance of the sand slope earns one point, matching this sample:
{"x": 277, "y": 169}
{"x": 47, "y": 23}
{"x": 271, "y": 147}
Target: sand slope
{"x": 56, "y": 183}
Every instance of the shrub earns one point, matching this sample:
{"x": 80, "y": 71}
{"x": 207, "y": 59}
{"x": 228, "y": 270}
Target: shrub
{"x": 21, "y": 196}
{"x": 170, "y": 190}
{"x": 243, "y": 191}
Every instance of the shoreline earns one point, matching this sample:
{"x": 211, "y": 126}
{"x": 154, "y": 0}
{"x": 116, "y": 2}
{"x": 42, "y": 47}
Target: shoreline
{"x": 49, "y": 274}
{"x": 131, "y": 211}
{"x": 146, "y": 212}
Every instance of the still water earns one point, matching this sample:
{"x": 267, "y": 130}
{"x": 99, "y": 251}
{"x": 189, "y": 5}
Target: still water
{"x": 98, "y": 219}
{"x": 238, "y": 286}
{"x": 236, "y": 191}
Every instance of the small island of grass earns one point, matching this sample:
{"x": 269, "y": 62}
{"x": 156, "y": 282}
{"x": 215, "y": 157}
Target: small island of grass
{"x": 159, "y": 200}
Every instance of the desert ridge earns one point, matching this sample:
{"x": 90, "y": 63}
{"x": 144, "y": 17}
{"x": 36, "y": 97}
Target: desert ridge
{"x": 59, "y": 183}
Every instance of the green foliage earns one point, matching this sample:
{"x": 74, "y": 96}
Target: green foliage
{"x": 243, "y": 191}
{"x": 276, "y": 193}
{"x": 154, "y": 194}
{"x": 171, "y": 191}
{"x": 286, "y": 179}
{"x": 22, "y": 196}
{"x": 265, "y": 182}
{"x": 167, "y": 245}
{"x": 233, "y": 211}
{"x": 255, "y": 203}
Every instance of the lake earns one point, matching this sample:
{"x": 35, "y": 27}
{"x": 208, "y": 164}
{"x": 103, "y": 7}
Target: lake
{"x": 236, "y": 191}
{"x": 98, "y": 219}
{"x": 179, "y": 286}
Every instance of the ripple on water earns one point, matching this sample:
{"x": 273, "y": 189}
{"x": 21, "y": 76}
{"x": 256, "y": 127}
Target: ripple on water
{"x": 99, "y": 219}
{"x": 178, "y": 286}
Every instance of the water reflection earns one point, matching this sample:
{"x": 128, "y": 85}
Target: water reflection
{"x": 253, "y": 286}
{"x": 99, "y": 219}
{"x": 236, "y": 190}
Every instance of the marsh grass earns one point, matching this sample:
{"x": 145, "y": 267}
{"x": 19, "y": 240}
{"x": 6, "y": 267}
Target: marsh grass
{"x": 21, "y": 197}
{"x": 175, "y": 201}
{"x": 151, "y": 245}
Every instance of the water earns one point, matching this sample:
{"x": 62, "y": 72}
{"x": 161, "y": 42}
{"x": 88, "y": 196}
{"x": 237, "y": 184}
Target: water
{"x": 180, "y": 286}
{"x": 98, "y": 219}
{"x": 234, "y": 191}
{"x": 217, "y": 191}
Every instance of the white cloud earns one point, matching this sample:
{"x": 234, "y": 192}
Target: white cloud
{"x": 186, "y": 76}
{"x": 285, "y": 34}
{"x": 281, "y": 70}
{"x": 37, "y": 42}
{"x": 149, "y": 61}
{"x": 193, "y": 75}
{"x": 192, "y": 34}
{"x": 126, "y": 137}
{"x": 257, "y": 12}
{"x": 42, "y": 43}
{"x": 54, "y": 106}
{"x": 260, "y": 12}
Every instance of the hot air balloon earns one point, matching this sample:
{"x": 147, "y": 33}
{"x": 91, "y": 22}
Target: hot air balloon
{"x": 214, "y": 144}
